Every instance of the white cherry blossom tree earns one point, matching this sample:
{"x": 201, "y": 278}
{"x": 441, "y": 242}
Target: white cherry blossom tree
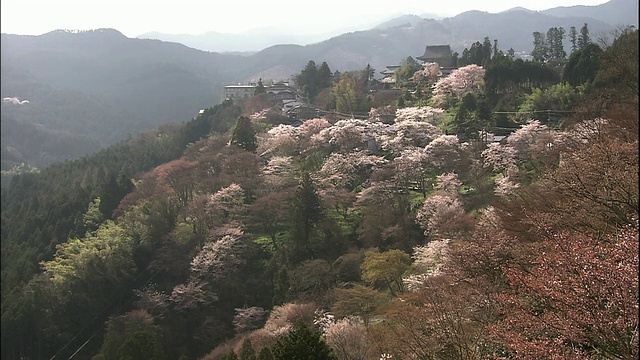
{"x": 463, "y": 80}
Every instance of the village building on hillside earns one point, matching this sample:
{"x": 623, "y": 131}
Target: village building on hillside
{"x": 234, "y": 92}
{"x": 302, "y": 112}
{"x": 287, "y": 105}
{"x": 388, "y": 80}
{"x": 440, "y": 54}
{"x": 389, "y": 72}
{"x": 279, "y": 91}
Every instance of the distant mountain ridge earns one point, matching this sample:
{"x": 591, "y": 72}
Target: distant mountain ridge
{"x": 613, "y": 13}
{"x": 252, "y": 40}
{"x": 100, "y": 87}
{"x": 393, "y": 41}
{"x": 226, "y": 43}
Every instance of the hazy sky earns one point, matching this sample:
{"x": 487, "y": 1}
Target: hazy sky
{"x": 135, "y": 17}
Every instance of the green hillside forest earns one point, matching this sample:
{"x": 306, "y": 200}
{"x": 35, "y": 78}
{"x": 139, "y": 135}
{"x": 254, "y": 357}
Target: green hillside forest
{"x": 488, "y": 214}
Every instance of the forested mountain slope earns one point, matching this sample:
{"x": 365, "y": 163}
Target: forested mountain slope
{"x": 147, "y": 80}
{"x": 344, "y": 237}
{"x": 24, "y": 143}
{"x": 99, "y": 87}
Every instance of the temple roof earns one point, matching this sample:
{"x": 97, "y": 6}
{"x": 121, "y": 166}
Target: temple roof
{"x": 435, "y": 52}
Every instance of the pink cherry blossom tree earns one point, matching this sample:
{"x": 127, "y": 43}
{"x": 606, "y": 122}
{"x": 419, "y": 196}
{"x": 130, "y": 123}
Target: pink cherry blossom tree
{"x": 279, "y": 140}
{"x": 347, "y": 170}
{"x": 279, "y": 172}
{"x": 500, "y": 158}
{"x": 345, "y": 134}
{"x": 312, "y": 126}
{"x": 408, "y": 133}
{"x": 191, "y": 296}
{"x": 309, "y": 138}
{"x": 505, "y": 186}
{"x": 410, "y": 169}
{"x": 348, "y": 338}
{"x": 581, "y": 133}
{"x": 350, "y": 134}
{"x": 152, "y": 300}
{"x": 421, "y": 113}
{"x": 523, "y": 139}
{"x": 430, "y": 72}
{"x": 578, "y": 299}
{"x": 463, "y": 80}
{"x": 228, "y": 202}
{"x": 219, "y": 258}
{"x": 448, "y": 182}
{"x": 249, "y": 318}
{"x": 377, "y": 114}
{"x": 428, "y": 260}
{"x": 446, "y": 153}
{"x": 442, "y": 215}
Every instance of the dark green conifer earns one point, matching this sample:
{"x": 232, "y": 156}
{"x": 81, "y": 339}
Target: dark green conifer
{"x": 265, "y": 354}
{"x": 246, "y": 351}
{"x": 244, "y": 135}
{"x": 307, "y": 213}
{"x": 302, "y": 343}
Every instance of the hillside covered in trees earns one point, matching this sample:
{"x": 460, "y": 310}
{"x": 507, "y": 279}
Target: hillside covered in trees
{"x": 416, "y": 233}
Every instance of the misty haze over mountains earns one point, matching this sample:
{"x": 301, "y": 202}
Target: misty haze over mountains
{"x": 616, "y": 12}
{"x": 95, "y": 88}
{"x": 254, "y": 40}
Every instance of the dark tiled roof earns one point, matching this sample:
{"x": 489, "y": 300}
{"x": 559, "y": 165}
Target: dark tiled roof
{"x": 436, "y": 51}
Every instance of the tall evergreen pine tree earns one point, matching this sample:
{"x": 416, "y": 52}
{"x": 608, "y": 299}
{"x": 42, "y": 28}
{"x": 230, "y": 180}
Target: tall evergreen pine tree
{"x": 244, "y": 135}
{"x": 307, "y": 212}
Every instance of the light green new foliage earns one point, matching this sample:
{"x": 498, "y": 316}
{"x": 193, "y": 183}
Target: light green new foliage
{"x": 93, "y": 217}
{"x": 387, "y": 267}
{"x": 107, "y": 249}
{"x": 557, "y": 100}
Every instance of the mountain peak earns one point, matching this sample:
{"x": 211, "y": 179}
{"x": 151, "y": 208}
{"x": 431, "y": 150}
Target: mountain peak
{"x": 519, "y": 8}
{"x": 102, "y": 31}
